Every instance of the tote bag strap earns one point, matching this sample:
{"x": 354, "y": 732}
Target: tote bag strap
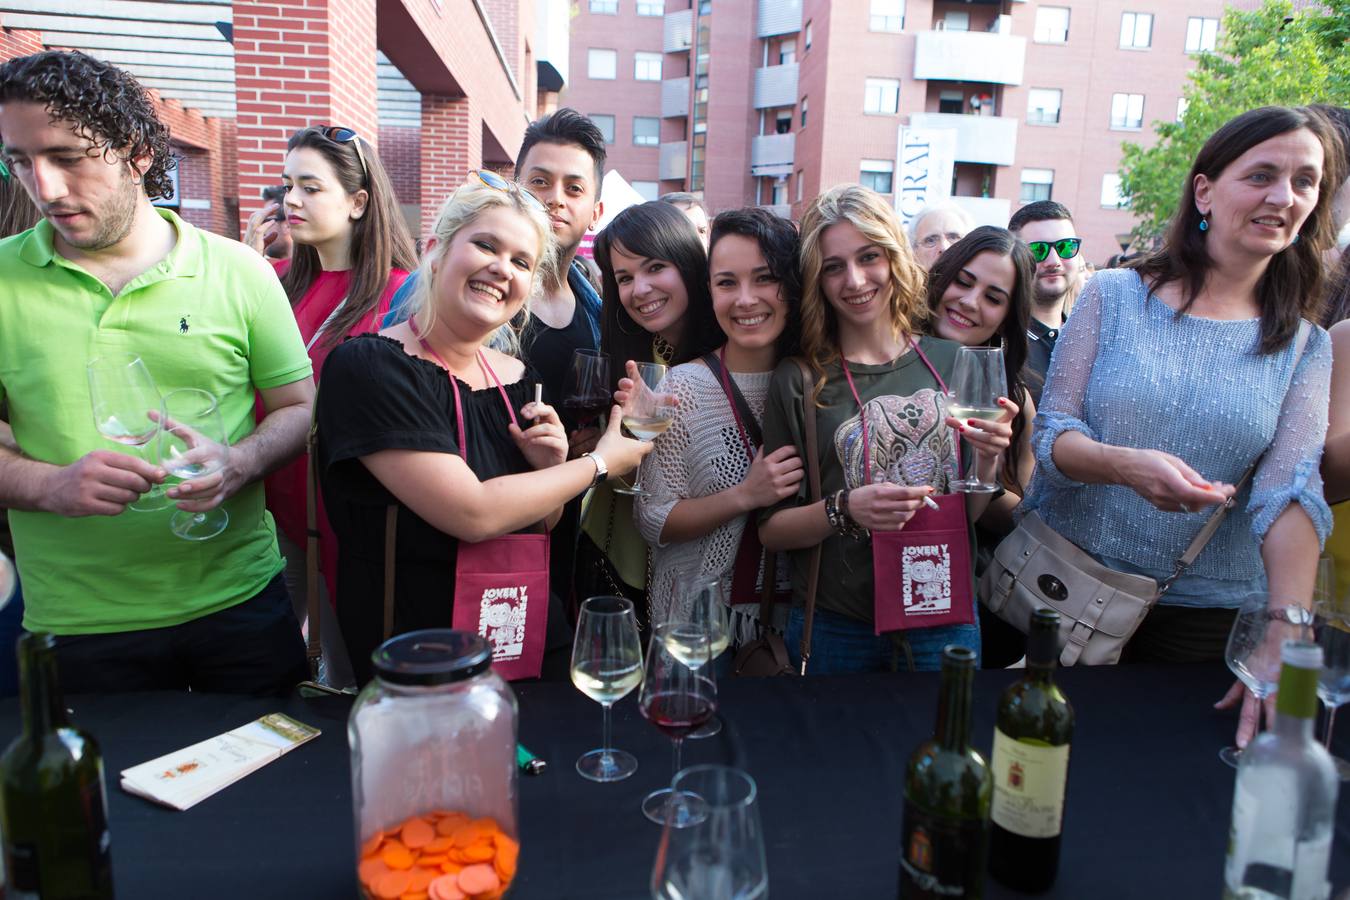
{"x": 313, "y": 644}
{"x": 813, "y": 481}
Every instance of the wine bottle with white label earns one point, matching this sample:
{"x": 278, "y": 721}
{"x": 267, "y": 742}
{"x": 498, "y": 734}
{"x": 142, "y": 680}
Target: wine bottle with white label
{"x": 945, "y": 835}
{"x": 1031, "y": 767}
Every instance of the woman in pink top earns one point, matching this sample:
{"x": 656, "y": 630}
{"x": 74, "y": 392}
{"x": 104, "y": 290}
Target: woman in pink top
{"x": 352, "y": 252}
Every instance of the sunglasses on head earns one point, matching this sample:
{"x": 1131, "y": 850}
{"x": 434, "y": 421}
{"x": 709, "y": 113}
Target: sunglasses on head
{"x": 1064, "y": 249}
{"x": 498, "y": 183}
{"x": 339, "y": 135}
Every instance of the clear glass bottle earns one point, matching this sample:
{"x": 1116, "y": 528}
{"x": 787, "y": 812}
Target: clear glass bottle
{"x": 1285, "y": 800}
{"x": 433, "y": 743}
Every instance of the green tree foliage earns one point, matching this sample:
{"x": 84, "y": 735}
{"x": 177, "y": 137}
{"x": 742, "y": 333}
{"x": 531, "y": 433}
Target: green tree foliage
{"x": 1269, "y": 56}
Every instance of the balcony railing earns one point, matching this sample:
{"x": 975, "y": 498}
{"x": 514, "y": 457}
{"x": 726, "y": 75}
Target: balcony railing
{"x": 776, "y": 86}
{"x": 679, "y": 31}
{"x": 991, "y": 140}
{"x": 993, "y": 58}
{"x": 772, "y": 154}
{"x": 674, "y": 161}
{"x": 675, "y": 97}
{"x": 779, "y": 17}
{"x": 986, "y": 210}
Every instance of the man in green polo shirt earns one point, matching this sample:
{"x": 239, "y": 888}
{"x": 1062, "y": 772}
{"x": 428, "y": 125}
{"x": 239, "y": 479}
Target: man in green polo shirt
{"x": 135, "y": 607}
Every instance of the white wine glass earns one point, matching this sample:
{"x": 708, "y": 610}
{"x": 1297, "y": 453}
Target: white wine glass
{"x": 606, "y": 666}
{"x": 721, "y": 857}
{"x": 678, "y": 696}
{"x": 124, "y": 399}
{"x": 699, "y": 602}
{"x": 1253, "y": 651}
{"x": 1331, "y": 623}
{"x": 193, "y": 444}
{"x": 979, "y": 379}
{"x": 9, "y": 580}
{"x": 647, "y": 412}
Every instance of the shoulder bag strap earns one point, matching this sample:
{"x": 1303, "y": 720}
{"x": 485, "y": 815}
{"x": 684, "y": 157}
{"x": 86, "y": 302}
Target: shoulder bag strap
{"x": 313, "y": 644}
{"x": 1198, "y": 543}
{"x": 745, "y": 416}
{"x": 813, "y": 480}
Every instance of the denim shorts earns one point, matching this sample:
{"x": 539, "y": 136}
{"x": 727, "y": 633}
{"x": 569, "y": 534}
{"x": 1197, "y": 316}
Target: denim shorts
{"x": 841, "y": 645}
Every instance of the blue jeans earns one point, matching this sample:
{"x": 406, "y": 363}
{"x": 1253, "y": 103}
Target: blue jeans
{"x": 841, "y": 645}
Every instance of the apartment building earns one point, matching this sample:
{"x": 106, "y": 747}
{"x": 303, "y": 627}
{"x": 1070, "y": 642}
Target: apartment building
{"x": 768, "y": 102}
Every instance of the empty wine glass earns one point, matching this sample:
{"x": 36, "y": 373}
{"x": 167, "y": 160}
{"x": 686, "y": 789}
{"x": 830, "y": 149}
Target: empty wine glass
{"x": 1253, "y": 652}
{"x": 677, "y": 696}
{"x": 606, "y": 666}
{"x": 978, "y": 381}
{"x": 586, "y": 393}
{"x": 193, "y": 444}
{"x": 9, "y": 580}
{"x": 647, "y": 412}
{"x": 1331, "y": 622}
{"x": 721, "y": 857}
{"x": 124, "y": 398}
{"x": 698, "y": 601}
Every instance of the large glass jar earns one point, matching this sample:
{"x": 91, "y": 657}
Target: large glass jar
{"x": 433, "y": 742}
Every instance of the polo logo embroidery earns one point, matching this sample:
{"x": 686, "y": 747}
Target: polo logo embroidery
{"x": 501, "y": 620}
{"x": 926, "y": 577}
{"x": 183, "y": 325}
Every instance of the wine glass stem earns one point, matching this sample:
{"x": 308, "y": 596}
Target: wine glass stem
{"x": 1331, "y": 723}
{"x": 637, "y": 477}
{"x": 678, "y": 742}
{"x": 604, "y": 744}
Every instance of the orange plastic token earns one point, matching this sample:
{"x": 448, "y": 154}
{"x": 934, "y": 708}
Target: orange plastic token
{"x": 445, "y": 888}
{"x": 438, "y": 855}
{"x": 479, "y": 880}
{"x": 391, "y": 885}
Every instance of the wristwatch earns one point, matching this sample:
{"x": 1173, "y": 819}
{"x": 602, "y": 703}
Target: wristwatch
{"x": 601, "y": 470}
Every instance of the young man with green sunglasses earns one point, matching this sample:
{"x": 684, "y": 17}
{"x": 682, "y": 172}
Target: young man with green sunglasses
{"x": 1047, "y": 228}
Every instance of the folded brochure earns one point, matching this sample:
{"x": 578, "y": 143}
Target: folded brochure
{"x": 186, "y": 777}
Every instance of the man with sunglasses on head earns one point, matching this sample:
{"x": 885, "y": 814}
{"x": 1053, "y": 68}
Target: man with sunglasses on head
{"x": 107, "y": 274}
{"x": 1047, "y": 228}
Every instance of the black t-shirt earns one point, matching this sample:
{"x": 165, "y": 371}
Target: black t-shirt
{"x": 549, "y": 350}
{"x": 377, "y": 397}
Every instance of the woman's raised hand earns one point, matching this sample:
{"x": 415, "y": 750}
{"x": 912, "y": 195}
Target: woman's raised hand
{"x": 772, "y": 477}
{"x": 621, "y": 454}
{"x": 989, "y": 439}
{"x": 262, "y": 227}
{"x": 544, "y": 443}
{"x": 1167, "y": 482}
{"x": 885, "y": 506}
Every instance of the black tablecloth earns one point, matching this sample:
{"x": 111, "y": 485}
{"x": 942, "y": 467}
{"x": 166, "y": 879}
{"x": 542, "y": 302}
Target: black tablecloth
{"x": 1147, "y": 814}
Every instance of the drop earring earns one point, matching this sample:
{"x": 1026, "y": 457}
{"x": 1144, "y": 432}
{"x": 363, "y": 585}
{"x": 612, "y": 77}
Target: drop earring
{"x": 1204, "y": 223}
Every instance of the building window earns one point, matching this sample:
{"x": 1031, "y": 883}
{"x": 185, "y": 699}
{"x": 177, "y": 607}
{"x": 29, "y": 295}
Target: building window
{"x": 808, "y": 35}
{"x": 648, "y": 190}
{"x": 648, "y": 8}
{"x": 1182, "y": 103}
{"x": 1043, "y": 106}
{"x": 1052, "y": 25}
{"x": 881, "y": 96}
{"x": 887, "y": 15}
{"x": 1037, "y": 184}
{"x": 604, "y": 7}
{"x": 646, "y": 131}
{"x": 782, "y": 121}
{"x": 605, "y": 124}
{"x": 787, "y": 53}
{"x": 951, "y": 102}
{"x": 1127, "y": 111}
{"x": 1136, "y": 30}
{"x": 956, "y": 20}
{"x": 705, "y": 8}
{"x": 647, "y": 66}
{"x": 779, "y": 189}
{"x": 1202, "y": 35}
{"x": 602, "y": 64}
{"x": 803, "y": 125}
{"x": 801, "y": 178}
{"x": 1112, "y": 198}
{"x": 877, "y": 174}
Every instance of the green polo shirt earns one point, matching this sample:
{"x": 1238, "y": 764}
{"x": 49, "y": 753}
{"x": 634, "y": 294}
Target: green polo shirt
{"x": 213, "y": 316}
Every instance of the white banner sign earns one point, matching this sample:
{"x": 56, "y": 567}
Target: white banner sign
{"x": 926, "y": 157}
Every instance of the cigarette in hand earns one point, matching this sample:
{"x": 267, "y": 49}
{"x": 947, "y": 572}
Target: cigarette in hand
{"x": 538, "y": 398}
{"x": 930, "y": 502}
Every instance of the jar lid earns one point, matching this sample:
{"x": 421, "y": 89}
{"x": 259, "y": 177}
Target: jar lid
{"x": 431, "y": 656}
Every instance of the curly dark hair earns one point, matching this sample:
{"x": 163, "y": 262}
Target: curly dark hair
{"x": 781, "y": 245}
{"x": 107, "y": 105}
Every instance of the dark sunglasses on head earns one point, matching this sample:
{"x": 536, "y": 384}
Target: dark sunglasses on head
{"x": 1064, "y": 249}
{"x": 498, "y": 183}
{"x": 339, "y": 135}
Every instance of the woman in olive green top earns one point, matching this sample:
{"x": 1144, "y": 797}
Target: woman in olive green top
{"x": 863, "y": 302}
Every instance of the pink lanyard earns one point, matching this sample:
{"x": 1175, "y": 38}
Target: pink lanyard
{"x": 459, "y": 408}
{"x": 862, "y": 410}
{"x": 731, "y": 399}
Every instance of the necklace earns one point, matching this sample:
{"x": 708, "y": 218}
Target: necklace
{"x": 662, "y": 349}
